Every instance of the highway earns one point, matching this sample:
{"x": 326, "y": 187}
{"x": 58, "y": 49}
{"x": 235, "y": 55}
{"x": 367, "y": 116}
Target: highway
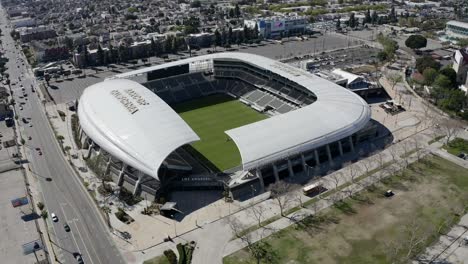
{"x": 64, "y": 195}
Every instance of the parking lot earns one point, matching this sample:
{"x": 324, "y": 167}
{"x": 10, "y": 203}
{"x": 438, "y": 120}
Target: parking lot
{"x": 17, "y": 225}
{"x": 342, "y": 58}
{"x": 66, "y": 89}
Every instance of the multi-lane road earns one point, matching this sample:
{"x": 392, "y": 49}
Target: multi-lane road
{"x": 64, "y": 195}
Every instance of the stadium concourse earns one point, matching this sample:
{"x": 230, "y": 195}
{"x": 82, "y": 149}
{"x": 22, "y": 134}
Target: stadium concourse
{"x": 128, "y": 121}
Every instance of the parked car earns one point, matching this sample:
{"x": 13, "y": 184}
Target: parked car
{"x": 66, "y": 227}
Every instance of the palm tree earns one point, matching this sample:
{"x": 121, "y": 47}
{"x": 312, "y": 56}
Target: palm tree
{"x": 107, "y": 211}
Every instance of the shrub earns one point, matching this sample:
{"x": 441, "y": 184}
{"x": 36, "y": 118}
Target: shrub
{"x": 181, "y": 250}
{"x": 189, "y": 252}
{"x": 76, "y": 135}
{"x": 120, "y": 214}
{"x": 61, "y": 114}
{"x": 40, "y": 206}
{"x": 171, "y": 256}
{"x": 44, "y": 214}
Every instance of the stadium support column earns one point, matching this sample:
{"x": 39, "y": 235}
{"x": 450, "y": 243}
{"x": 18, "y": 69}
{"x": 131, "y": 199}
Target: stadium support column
{"x": 80, "y": 132}
{"x": 340, "y": 147}
{"x": 108, "y": 165}
{"x": 90, "y": 149}
{"x": 304, "y": 165}
{"x": 317, "y": 159}
{"x": 290, "y": 169}
{"x": 330, "y": 159}
{"x": 138, "y": 183}
{"x": 351, "y": 143}
{"x": 258, "y": 172}
{"x": 121, "y": 175}
{"x": 275, "y": 173}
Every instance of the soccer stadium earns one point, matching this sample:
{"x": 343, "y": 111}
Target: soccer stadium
{"x": 224, "y": 121}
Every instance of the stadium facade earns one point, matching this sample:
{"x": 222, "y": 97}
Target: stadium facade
{"x": 127, "y": 119}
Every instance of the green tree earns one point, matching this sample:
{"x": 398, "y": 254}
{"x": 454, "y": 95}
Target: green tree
{"x": 462, "y": 42}
{"x": 218, "y": 40}
{"x": 454, "y": 100}
{"x": 195, "y": 4}
{"x": 426, "y": 62}
{"x": 100, "y": 55}
{"x": 430, "y": 75}
{"x": 255, "y": 31}
{"x": 368, "y": 18}
{"x": 382, "y": 56}
{"x": 246, "y": 33}
{"x": 416, "y": 42}
{"x": 132, "y": 9}
{"x": 393, "y": 16}
{"x": 44, "y": 214}
{"x": 230, "y": 36}
{"x": 338, "y": 24}
{"x": 451, "y": 75}
{"x": 374, "y": 18}
{"x": 352, "y": 21}
{"x": 442, "y": 82}
{"x": 237, "y": 11}
{"x": 40, "y": 206}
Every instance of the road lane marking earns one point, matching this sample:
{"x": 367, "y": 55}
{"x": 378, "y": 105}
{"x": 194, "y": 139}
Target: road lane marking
{"x": 73, "y": 236}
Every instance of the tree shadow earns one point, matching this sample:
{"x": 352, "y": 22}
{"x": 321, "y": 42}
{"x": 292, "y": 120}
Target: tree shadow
{"x": 345, "y": 207}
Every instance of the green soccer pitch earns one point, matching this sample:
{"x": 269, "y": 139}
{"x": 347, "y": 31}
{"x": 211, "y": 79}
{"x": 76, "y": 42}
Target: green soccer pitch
{"x": 209, "y": 117}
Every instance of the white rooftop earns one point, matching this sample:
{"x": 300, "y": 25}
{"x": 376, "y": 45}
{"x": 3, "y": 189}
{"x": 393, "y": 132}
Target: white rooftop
{"x": 132, "y": 123}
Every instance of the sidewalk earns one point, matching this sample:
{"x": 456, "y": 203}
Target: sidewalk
{"x": 213, "y": 240}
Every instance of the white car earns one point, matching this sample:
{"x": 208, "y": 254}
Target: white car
{"x": 54, "y": 217}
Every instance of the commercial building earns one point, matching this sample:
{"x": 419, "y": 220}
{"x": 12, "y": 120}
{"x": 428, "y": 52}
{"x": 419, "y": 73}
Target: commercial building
{"x": 28, "y": 34}
{"x": 277, "y": 27}
{"x": 143, "y": 147}
{"x": 456, "y": 29}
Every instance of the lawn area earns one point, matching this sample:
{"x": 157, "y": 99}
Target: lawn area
{"x": 209, "y": 117}
{"x": 157, "y": 260}
{"x": 456, "y": 146}
{"x": 369, "y": 228}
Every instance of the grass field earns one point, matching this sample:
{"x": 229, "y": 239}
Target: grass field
{"x": 157, "y": 260}
{"x": 457, "y": 146}
{"x": 429, "y": 197}
{"x": 209, "y": 117}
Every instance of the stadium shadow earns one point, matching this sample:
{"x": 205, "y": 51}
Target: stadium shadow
{"x": 202, "y": 159}
{"x": 202, "y": 102}
{"x": 191, "y": 201}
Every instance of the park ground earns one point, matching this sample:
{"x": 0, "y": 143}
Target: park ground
{"x": 157, "y": 260}
{"x": 457, "y": 146}
{"x": 209, "y": 117}
{"x": 369, "y": 228}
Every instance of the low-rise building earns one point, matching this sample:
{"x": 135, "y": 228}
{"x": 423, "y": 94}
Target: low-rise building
{"x": 24, "y": 22}
{"x": 277, "y": 27}
{"x": 456, "y": 29}
{"x": 36, "y": 33}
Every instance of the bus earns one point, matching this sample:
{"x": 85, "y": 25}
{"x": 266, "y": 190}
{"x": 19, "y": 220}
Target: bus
{"x": 313, "y": 189}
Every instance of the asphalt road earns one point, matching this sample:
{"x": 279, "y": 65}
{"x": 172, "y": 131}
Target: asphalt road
{"x": 64, "y": 195}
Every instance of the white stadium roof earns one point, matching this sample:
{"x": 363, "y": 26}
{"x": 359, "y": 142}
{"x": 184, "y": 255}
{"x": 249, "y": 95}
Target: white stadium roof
{"x": 336, "y": 114}
{"x": 132, "y": 123}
